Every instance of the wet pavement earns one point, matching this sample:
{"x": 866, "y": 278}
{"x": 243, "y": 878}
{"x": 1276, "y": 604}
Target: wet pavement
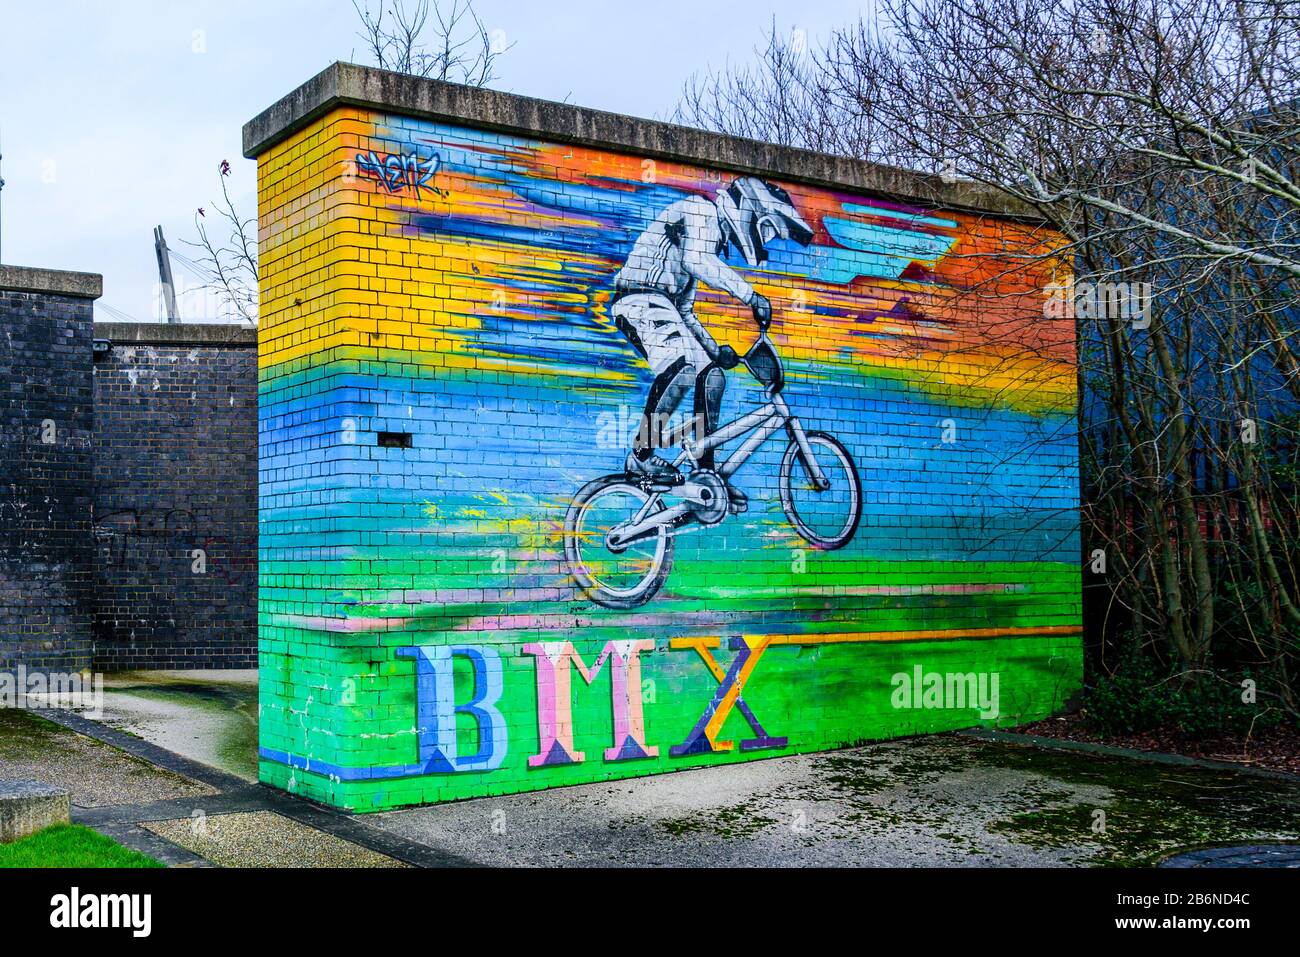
{"x": 207, "y": 716}
{"x": 940, "y": 801}
{"x": 1246, "y": 855}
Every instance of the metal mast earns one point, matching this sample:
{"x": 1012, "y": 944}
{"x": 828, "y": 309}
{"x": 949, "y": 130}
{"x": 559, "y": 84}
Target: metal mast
{"x": 2, "y": 189}
{"x": 165, "y": 274}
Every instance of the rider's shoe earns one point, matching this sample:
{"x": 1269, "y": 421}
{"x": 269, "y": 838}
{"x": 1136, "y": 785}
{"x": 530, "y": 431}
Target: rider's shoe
{"x": 653, "y": 468}
{"x": 738, "y": 499}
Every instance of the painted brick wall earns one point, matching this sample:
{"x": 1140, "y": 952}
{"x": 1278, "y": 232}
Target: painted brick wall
{"x": 175, "y": 509}
{"x": 423, "y": 633}
{"x": 45, "y": 497}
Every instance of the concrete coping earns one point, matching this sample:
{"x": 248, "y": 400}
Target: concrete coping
{"x": 346, "y": 84}
{"x": 176, "y": 333}
{"x": 51, "y": 282}
{"x": 29, "y": 789}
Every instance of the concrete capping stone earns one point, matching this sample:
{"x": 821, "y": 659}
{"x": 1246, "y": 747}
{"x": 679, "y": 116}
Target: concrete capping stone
{"x": 29, "y": 806}
{"x": 177, "y": 334}
{"x": 51, "y": 282}
{"x": 346, "y": 84}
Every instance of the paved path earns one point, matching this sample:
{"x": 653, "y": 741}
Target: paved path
{"x": 947, "y": 801}
{"x": 208, "y": 716}
{"x": 954, "y": 800}
{"x": 169, "y": 806}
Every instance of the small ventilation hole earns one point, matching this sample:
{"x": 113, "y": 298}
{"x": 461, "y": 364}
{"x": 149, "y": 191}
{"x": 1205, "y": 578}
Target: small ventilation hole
{"x": 394, "y": 440}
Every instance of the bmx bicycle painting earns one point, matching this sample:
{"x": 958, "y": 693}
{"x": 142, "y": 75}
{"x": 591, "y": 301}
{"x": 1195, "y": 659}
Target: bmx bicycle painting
{"x": 620, "y": 529}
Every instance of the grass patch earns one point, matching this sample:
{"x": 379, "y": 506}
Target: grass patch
{"x": 71, "y": 845}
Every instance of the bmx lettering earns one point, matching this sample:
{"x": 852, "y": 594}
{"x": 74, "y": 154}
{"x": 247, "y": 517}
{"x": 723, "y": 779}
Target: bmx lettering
{"x": 438, "y": 710}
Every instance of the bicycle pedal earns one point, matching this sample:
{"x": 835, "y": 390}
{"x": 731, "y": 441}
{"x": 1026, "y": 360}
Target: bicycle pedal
{"x": 648, "y": 486}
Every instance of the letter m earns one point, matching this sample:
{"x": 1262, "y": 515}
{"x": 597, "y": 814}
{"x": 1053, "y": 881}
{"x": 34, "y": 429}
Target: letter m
{"x": 555, "y": 663}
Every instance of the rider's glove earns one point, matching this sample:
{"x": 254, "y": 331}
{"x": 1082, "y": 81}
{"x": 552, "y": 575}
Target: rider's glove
{"x": 727, "y": 357}
{"x": 762, "y": 311}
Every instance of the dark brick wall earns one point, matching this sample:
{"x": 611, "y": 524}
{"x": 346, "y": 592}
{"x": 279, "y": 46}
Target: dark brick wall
{"x": 175, "y": 470}
{"x": 46, "y": 551}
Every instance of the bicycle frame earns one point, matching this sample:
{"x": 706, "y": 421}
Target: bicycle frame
{"x": 760, "y": 424}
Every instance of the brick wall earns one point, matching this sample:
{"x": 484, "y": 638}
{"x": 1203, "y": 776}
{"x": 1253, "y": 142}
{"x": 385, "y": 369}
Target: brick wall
{"x": 175, "y": 506}
{"x": 446, "y": 381}
{"x": 45, "y": 447}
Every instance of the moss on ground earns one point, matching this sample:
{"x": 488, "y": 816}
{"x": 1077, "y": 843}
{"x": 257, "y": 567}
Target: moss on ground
{"x": 736, "y": 821}
{"x": 1112, "y": 811}
{"x": 39, "y": 748}
{"x": 1152, "y": 808}
{"x": 974, "y": 795}
{"x": 23, "y": 734}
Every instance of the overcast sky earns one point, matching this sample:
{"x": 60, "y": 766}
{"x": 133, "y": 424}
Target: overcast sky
{"x": 114, "y": 115}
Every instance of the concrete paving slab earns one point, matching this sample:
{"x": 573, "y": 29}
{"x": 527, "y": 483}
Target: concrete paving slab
{"x": 28, "y": 806}
{"x": 265, "y": 839}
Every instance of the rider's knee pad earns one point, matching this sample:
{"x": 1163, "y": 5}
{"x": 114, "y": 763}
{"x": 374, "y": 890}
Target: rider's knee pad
{"x": 709, "y": 387}
{"x": 664, "y": 381}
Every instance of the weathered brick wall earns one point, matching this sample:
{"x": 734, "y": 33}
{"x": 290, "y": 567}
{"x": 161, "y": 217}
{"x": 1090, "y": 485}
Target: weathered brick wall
{"x": 445, "y": 371}
{"x": 45, "y": 449}
{"x": 175, "y": 504}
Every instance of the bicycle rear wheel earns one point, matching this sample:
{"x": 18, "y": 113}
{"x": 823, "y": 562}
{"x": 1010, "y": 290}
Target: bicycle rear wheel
{"x": 630, "y": 576}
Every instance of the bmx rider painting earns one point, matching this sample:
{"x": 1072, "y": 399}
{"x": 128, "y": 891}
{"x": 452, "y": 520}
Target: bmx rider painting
{"x": 654, "y": 305}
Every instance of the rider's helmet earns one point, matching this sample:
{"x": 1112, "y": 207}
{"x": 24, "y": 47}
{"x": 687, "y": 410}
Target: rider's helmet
{"x": 753, "y": 212}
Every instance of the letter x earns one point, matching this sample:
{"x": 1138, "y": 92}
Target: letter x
{"x": 703, "y": 738}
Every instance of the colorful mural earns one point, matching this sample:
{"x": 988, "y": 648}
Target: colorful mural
{"x": 743, "y": 455}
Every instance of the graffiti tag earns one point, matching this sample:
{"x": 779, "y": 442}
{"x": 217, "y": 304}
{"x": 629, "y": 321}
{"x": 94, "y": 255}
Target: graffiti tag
{"x": 398, "y": 173}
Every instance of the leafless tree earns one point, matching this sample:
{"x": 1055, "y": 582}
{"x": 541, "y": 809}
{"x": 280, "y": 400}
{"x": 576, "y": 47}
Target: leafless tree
{"x": 228, "y": 260}
{"x": 426, "y": 38}
{"x": 1160, "y": 137}
{"x": 431, "y": 38}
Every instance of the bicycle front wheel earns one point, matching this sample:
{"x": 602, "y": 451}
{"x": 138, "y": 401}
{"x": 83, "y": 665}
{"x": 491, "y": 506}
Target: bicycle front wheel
{"x": 827, "y": 518}
{"x": 629, "y": 576}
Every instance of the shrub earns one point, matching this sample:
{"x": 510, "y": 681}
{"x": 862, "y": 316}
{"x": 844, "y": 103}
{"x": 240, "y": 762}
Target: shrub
{"x": 1131, "y": 700}
{"x": 1141, "y": 696}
